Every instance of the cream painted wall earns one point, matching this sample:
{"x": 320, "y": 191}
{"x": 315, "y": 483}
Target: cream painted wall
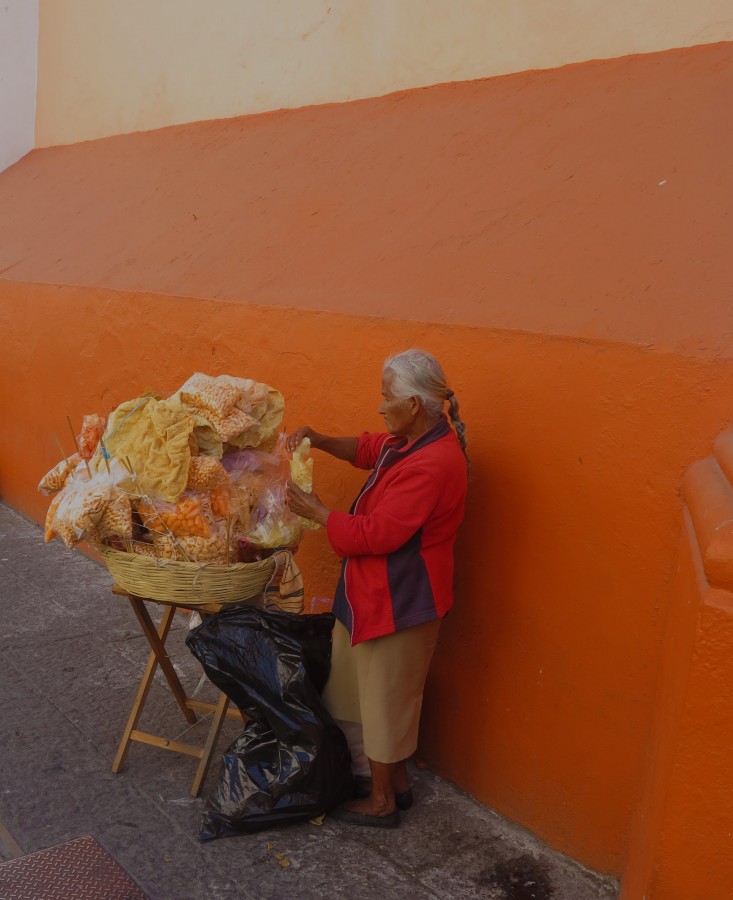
{"x": 128, "y": 65}
{"x": 18, "y": 65}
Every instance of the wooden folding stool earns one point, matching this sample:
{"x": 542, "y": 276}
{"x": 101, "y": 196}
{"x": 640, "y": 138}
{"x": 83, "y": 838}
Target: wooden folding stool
{"x": 159, "y": 657}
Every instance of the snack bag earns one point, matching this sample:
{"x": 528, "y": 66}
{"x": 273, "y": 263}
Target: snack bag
{"x": 301, "y": 473}
{"x": 258, "y": 481}
{"x": 215, "y": 394}
{"x": 50, "y": 530}
{"x": 116, "y": 520}
{"x": 77, "y": 510}
{"x": 249, "y": 471}
{"x": 273, "y": 523}
{"x": 57, "y": 477}
{"x": 231, "y": 426}
{"x": 189, "y": 516}
{"x": 194, "y": 548}
{"x": 241, "y": 499}
{"x": 220, "y": 400}
{"x": 266, "y": 406}
{"x": 92, "y": 429}
{"x": 206, "y": 473}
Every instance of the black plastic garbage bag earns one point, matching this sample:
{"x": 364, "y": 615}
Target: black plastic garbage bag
{"x": 292, "y": 761}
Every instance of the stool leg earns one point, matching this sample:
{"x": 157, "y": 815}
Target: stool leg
{"x": 143, "y": 689}
{"x": 210, "y": 745}
{"x": 158, "y": 645}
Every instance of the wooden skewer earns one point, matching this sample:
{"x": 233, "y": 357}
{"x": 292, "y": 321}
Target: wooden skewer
{"x": 58, "y": 441}
{"x": 76, "y": 444}
{"x": 105, "y": 455}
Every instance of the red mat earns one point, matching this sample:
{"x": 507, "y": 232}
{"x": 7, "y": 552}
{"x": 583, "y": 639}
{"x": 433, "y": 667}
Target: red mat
{"x": 77, "y": 870}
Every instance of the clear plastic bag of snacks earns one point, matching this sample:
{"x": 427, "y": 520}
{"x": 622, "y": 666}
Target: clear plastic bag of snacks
{"x": 84, "y": 503}
{"x": 77, "y": 509}
{"x": 216, "y": 394}
{"x": 189, "y": 516}
{"x": 249, "y": 472}
{"x": 273, "y": 523}
{"x": 116, "y": 520}
{"x": 191, "y": 548}
{"x": 206, "y": 473}
{"x": 258, "y": 480}
{"x": 57, "y": 477}
{"x": 92, "y": 429}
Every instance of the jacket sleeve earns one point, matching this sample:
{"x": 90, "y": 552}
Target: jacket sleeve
{"x": 405, "y": 507}
{"x": 368, "y": 449}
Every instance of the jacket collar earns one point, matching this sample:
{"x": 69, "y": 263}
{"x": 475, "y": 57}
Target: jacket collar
{"x": 402, "y": 449}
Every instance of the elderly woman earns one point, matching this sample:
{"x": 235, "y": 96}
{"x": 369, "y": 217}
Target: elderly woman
{"x": 396, "y": 582}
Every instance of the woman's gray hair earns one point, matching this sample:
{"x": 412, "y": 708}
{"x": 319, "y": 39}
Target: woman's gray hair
{"x": 418, "y": 373}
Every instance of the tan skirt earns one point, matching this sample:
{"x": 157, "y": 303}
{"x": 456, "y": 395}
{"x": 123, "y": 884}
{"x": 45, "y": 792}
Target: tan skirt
{"x": 380, "y": 683}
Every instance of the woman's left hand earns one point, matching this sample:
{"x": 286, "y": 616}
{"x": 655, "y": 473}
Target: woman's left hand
{"x": 307, "y": 505}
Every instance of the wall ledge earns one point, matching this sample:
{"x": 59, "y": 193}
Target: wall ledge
{"x": 708, "y": 491}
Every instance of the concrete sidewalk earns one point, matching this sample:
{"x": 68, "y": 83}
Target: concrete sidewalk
{"x": 71, "y": 655}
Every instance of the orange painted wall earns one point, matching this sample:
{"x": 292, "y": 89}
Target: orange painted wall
{"x": 561, "y": 241}
{"x": 693, "y": 858}
{"x": 531, "y": 201}
{"x": 681, "y": 846}
{"x": 542, "y": 691}
{"x": 652, "y": 816}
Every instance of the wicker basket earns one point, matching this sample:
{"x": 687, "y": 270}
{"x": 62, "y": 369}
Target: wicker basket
{"x": 188, "y": 583}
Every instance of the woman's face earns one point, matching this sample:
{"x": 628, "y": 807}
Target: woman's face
{"x": 398, "y": 414}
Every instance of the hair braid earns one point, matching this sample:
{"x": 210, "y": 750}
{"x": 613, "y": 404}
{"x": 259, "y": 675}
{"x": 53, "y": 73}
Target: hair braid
{"x": 458, "y": 424}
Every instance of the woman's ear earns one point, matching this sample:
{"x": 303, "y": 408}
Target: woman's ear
{"x": 415, "y": 406}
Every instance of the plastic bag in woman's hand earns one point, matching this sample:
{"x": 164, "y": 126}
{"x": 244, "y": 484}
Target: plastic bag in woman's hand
{"x": 273, "y": 524}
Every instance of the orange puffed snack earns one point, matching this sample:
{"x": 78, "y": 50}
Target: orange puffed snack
{"x": 187, "y": 517}
{"x": 220, "y": 503}
{"x": 205, "y": 473}
{"x": 50, "y": 531}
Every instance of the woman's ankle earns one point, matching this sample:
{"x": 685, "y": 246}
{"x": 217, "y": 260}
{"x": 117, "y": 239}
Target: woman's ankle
{"x": 400, "y": 780}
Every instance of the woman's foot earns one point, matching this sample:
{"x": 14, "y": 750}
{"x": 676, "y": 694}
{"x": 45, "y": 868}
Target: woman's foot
{"x": 372, "y": 806}
{"x": 400, "y": 785}
{"x": 353, "y": 817}
{"x": 404, "y": 799}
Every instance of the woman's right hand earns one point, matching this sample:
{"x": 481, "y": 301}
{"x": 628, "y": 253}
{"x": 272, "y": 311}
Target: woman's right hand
{"x": 293, "y": 440}
{"x": 340, "y": 447}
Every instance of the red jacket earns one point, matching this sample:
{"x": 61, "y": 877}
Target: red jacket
{"x": 397, "y": 539}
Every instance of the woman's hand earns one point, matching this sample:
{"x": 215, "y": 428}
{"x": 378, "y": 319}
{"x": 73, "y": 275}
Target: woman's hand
{"x": 292, "y": 441}
{"x": 306, "y": 505}
{"x": 340, "y": 447}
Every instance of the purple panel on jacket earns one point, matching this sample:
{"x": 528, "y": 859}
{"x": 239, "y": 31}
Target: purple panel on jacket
{"x": 409, "y": 585}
